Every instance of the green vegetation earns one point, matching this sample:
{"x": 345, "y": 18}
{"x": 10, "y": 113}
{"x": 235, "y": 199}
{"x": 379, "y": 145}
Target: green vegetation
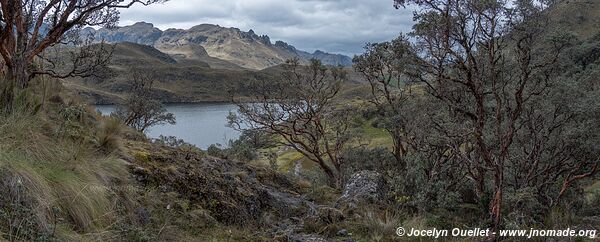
{"x": 489, "y": 127}
{"x": 140, "y": 110}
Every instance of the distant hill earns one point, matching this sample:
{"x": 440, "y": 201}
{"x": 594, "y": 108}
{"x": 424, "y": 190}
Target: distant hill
{"x": 189, "y": 80}
{"x": 218, "y": 46}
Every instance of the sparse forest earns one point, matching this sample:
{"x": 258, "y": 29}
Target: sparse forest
{"x": 484, "y": 115}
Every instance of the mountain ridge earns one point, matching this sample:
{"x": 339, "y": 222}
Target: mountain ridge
{"x": 245, "y": 49}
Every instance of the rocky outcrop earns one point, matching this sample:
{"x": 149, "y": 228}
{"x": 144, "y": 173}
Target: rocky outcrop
{"x": 141, "y": 33}
{"x": 232, "y": 192}
{"x": 363, "y": 188}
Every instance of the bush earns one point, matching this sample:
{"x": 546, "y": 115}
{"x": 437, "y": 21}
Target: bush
{"x": 378, "y": 159}
{"x": 523, "y": 209}
{"x": 216, "y": 151}
{"x": 108, "y": 137}
{"x": 409, "y": 187}
{"x": 140, "y": 110}
{"x": 241, "y": 150}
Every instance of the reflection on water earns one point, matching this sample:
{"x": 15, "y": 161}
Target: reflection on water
{"x": 201, "y": 124}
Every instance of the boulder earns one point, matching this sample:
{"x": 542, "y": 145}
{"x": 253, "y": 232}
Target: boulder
{"x": 363, "y": 188}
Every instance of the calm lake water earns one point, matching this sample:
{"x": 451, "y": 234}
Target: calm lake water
{"x": 201, "y": 124}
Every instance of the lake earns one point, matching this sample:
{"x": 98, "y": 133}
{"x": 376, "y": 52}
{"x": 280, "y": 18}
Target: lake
{"x": 201, "y": 124}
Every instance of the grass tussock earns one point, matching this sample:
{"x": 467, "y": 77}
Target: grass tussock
{"x": 109, "y": 135}
{"x": 53, "y": 180}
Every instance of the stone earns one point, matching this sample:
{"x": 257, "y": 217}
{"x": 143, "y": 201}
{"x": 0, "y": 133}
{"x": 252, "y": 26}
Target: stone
{"x": 342, "y": 233}
{"x": 363, "y": 188}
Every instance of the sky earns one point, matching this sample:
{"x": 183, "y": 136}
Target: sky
{"x": 336, "y": 26}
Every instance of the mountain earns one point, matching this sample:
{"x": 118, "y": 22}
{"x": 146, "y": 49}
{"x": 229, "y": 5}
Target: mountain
{"x": 141, "y": 33}
{"x": 206, "y": 41}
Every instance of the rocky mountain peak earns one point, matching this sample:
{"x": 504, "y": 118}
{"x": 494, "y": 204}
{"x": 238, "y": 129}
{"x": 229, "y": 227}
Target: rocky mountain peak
{"x": 246, "y": 49}
{"x": 142, "y": 24}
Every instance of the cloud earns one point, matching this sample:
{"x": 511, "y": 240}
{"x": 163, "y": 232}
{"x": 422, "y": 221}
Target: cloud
{"x": 339, "y": 26}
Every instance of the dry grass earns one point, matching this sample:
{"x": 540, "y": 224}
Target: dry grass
{"x": 108, "y": 136}
{"x": 57, "y": 184}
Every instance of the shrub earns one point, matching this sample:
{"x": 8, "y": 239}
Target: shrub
{"x": 377, "y": 159}
{"x": 108, "y": 137}
{"x": 215, "y": 150}
{"x": 140, "y": 110}
{"x": 241, "y": 150}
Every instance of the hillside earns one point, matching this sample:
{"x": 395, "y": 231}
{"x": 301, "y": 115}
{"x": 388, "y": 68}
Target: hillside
{"x": 581, "y": 17}
{"x": 178, "y": 80}
{"x": 212, "y": 43}
{"x": 183, "y": 74}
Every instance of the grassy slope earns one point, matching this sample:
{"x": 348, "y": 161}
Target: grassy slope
{"x": 65, "y": 174}
{"x": 177, "y": 81}
{"x": 52, "y": 164}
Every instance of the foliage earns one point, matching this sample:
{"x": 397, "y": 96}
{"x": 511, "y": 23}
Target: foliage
{"x": 377, "y": 159}
{"x": 484, "y": 106}
{"x": 300, "y": 110}
{"x": 385, "y": 66}
{"x": 140, "y": 110}
{"x": 215, "y": 150}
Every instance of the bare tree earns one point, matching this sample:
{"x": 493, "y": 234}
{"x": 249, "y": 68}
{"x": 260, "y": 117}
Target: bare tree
{"x": 300, "y": 109}
{"x": 140, "y": 110}
{"x": 491, "y": 63}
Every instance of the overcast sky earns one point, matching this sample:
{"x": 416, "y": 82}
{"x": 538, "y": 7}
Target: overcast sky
{"x": 338, "y": 26}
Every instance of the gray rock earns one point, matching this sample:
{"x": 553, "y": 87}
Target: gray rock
{"x": 342, "y": 232}
{"x": 364, "y": 187}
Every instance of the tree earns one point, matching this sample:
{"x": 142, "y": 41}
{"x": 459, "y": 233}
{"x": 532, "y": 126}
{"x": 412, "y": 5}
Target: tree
{"x": 140, "y": 110}
{"x": 413, "y": 120}
{"x": 300, "y": 110}
{"x": 493, "y": 64}
{"x": 28, "y": 27}
{"x": 385, "y": 66}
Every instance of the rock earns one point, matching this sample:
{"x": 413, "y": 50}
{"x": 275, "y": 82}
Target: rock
{"x": 342, "y": 233}
{"x": 140, "y": 174}
{"x": 143, "y": 215}
{"x": 230, "y": 191}
{"x": 329, "y": 215}
{"x": 286, "y": 204}
{"x": 363, "y": 188}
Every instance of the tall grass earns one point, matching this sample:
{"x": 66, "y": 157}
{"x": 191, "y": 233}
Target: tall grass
{"x": 108, "y": 137}
{"x": 53, "y": 183}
